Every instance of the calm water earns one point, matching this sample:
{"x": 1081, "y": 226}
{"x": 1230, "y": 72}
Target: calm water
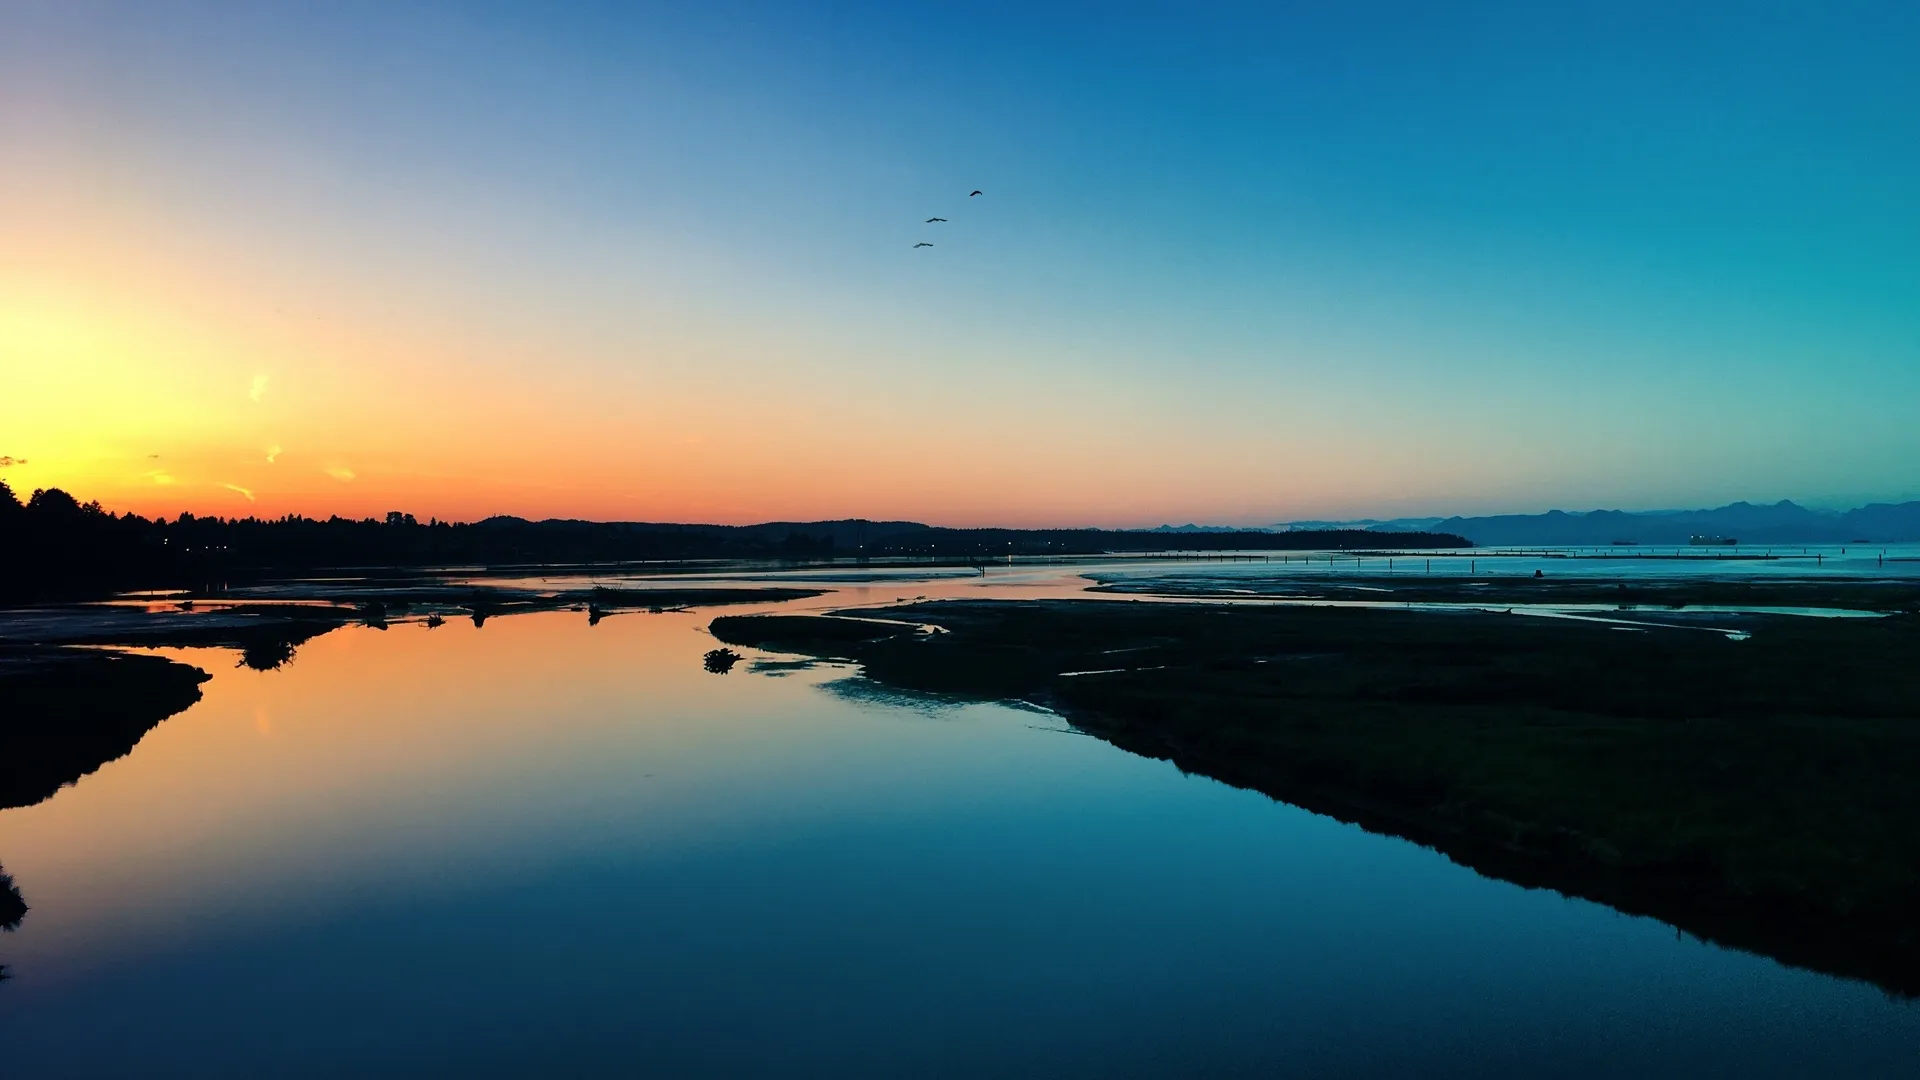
{"x": 1834, "y": 562}
{"x": 540, "y": 847}
{"x": 1663, "y": 564}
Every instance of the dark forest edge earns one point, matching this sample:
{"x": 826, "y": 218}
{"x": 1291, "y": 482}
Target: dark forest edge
{"x": 55, "y": 547}
{"x": 1753, "y": 793}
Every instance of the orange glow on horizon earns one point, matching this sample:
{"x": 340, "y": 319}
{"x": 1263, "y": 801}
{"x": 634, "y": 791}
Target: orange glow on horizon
{"x": 160, "y": 367}
{"x": 157, "y": 392}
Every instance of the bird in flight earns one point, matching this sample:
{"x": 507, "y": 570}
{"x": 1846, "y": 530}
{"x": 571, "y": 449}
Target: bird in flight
{"x": 975, "y": 193}
{"x": 922, "y": 244}
{"x": 931, "y": 220}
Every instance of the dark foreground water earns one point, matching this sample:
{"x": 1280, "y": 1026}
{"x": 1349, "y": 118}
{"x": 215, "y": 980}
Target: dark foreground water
{"x": 541, "y": 848}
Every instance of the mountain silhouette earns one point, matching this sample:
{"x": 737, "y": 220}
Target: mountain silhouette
{"x": 1780, "y": 523}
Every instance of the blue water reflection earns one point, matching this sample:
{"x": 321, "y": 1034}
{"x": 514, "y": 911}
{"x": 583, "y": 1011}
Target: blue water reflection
{"x": 544, "y": 848}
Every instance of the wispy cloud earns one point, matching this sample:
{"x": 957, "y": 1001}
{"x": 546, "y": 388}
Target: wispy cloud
{"x": 236, "y": 487}
{"x": 340, "y": 473}
{"x": 258, "y": 389}
{"x": 6, "y": 461}
{"x": 273, "y": 452}
{"x": 159, "y": 476}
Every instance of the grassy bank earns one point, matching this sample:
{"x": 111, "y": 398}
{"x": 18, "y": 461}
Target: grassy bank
{"x": 1761, "y": 793}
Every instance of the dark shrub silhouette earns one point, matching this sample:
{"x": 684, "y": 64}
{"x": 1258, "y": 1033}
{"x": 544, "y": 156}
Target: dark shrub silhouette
{"x": 13, "y": 907}
{"x": 266, "y": 655}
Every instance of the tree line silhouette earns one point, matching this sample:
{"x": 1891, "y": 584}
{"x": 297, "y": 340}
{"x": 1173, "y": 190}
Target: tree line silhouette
{"x": 54, "y": 547}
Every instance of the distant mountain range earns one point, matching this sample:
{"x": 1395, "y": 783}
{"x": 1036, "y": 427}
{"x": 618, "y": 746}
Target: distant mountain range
{"x": 1376, "y": 524}
{"x": 1783, "y": 522}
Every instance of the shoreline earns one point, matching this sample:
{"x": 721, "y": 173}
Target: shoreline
{"x": 1752, "y": 793}
{"x": 296, "y": 612}
{"x": 72, "y": 699}
{"x": 65, "y": 711}
{"x": 1749, "y": 792}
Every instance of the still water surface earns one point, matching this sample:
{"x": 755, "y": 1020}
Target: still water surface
{"x": 544, "y": 847}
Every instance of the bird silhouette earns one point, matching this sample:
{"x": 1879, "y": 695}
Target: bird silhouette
{"x": 975, "y": 193}
{"x": 922, "y": 244}
{"x": 931, "y": 220}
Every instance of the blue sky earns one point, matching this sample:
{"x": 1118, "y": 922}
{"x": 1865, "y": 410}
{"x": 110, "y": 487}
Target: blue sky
{"x": 1235, "y": 263}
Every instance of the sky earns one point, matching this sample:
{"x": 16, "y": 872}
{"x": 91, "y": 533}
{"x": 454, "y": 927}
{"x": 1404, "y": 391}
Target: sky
{"x": 1230, "y": 264}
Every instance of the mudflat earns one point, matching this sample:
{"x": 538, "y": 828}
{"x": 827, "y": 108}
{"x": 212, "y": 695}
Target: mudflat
{"x": 1760, "y": 793}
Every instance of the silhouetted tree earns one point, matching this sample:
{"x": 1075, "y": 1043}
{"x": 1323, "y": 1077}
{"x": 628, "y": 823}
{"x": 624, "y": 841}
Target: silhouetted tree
{"x": 54, "y": 547}
{"x": 266, "y": 654}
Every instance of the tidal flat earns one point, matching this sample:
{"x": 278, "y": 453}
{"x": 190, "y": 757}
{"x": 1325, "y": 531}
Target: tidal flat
{"x": 853, "y": 862}
{"x": 1753, "y": 792}
{"x": 72, "y": 698}
{"x": 1573, "y": 592}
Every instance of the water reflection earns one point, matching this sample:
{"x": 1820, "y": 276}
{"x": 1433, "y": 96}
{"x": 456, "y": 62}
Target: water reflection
{"x": 267, "y": 655}
{"x": 70, "y": 711}
{"x": 862, "y": 691}
{"x": 13, "y": 908}
{"x": 303, "y": 874}
{"x": 779, "y": 668}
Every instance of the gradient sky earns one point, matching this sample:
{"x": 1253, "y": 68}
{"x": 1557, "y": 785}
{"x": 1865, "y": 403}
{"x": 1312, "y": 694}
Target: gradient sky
{"x": 1233, "y": 264}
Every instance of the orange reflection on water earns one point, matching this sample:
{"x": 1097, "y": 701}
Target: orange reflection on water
{"x": 296, "y": 786}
